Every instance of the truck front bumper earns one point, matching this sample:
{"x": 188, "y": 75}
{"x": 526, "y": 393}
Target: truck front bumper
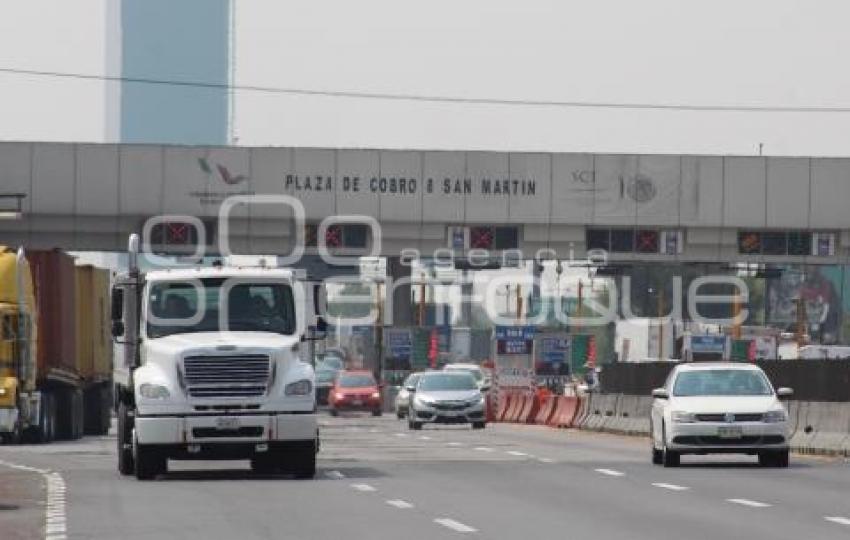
{"x": 226, "y": 430}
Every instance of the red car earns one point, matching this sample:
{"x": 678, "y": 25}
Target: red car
{"x": 355, "y": 391}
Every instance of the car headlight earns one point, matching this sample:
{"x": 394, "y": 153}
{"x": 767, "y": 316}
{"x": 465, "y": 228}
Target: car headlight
{"x": 376, "y": 395}
{"x": 772, "y": 417}
{"x": 681, "y": 417}
{"x": 476, "y": 400}
{"x": 298, "y": 388}
{"x": 423, "y": 401}
{"x": 339, "y": 395}
{"x": 154, "y": 391}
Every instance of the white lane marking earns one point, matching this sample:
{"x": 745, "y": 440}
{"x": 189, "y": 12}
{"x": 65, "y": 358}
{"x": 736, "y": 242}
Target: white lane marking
{"x": 610, "y": 472}
{"x": 484, "y": 449}
{"x": 546, "y": 460}
{"x": 516, "y": 453}
{"x": 363, "y": 487}
{"x": 454, "y": 444}
{"x": 424, "y": 438}
{"x": 839, "y": 520}
{"x": 402, "y": 435}
{"x": 398, "y": 503}
{"x": 455, "y": 525}
{"x": 671, "y": 487}
{"x": 55, "y": 520}
{"x": 747, "y": 502}
{"x": 335, "y": 475}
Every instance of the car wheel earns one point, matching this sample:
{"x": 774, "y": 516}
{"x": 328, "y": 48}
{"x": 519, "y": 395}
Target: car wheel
{"x": 399, "y": 415}
{"x": 669, "y": 458}
{"x": 377, "y": 413}
{"x": 657, "y": 455}
{"x": 479, "y": 425}
{"x": 334, "y": 412}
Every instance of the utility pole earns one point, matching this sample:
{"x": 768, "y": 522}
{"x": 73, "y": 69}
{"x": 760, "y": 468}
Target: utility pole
{"x": 422, "y": 299}
{"x": 800, "y": 335}
{"x": 660, "y": 323}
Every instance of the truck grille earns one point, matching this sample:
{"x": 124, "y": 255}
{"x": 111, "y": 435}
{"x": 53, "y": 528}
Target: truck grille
{"x": 245, "y": 375}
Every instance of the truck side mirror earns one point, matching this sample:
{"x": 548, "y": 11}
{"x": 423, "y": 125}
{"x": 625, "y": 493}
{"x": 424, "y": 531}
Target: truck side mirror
{"x": 117, "y": 328}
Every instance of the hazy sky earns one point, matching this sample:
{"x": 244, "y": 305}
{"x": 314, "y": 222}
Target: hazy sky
{"x": 718, "y": 52}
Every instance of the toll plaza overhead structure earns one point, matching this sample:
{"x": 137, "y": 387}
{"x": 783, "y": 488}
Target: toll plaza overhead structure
{"x": 642, "y": 208}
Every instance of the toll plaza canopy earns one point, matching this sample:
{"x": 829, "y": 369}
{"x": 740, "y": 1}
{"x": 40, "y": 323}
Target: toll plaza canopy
{"x": 636, "y": 207}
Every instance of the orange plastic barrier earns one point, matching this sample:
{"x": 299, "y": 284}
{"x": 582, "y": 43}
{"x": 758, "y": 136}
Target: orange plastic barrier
{"x": 547, "y": 409}
{"x": 516, "y": 408}
{"x": 505, "y": 402}
{"x": 565, "y": 412}
{"x": 529, "y": 410}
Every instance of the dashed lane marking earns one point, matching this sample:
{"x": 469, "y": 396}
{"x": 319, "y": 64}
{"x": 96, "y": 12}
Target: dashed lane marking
{"x": 424, "y": 438}
{"x": 455, "y": 525}
{"x": 545, "y": 460}
{"x": 334, "y": 475}
{"x": 365, "y": 488}
{"x": 610, "y": 472}
{"x": 402, "y": 435}
{"x": 747, "y": 502}
{"x": 454, "y": 444}
{"x": 516, "y": 453}
{"x": 484, "y": 449}
{"x": 398, "y": 503}
{"x": 839, "y": 520}
{"x": 671, "y": 487}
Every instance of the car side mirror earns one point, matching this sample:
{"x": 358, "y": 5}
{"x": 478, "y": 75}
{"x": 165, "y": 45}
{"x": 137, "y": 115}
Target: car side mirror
{"x": 410, "y": 389}
{"x": 660, "y": 393}
{"x": 784, "y": 392}
{"x": 117, "y": 328}
{"x": 485, "y": 388}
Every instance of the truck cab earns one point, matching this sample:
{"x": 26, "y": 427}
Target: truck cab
{"x": 210, "y": 367}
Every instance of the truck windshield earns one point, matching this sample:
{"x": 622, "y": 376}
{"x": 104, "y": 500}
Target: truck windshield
{"x": 181, "y": 307}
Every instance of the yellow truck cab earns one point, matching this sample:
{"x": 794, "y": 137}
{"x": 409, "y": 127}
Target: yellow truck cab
{"x": 18, "y": 333}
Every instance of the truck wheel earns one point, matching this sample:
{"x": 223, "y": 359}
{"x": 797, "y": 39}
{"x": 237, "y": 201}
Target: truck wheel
{"x": 126, "y": 464}
{"x": 149, "y": 463}
{"x": 479, "y": 425}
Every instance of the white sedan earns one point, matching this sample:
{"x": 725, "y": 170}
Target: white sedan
{"x": 719, "y": 408}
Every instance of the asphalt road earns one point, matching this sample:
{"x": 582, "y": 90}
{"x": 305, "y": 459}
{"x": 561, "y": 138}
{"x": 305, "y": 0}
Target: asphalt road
{"x": 377, "y": 480}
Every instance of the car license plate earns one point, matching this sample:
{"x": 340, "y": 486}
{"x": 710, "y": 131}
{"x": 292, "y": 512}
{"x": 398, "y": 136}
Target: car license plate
{"x": 357, "y": 402}
{"x": 730, "y": 432}
{"x": 227, "y": 423}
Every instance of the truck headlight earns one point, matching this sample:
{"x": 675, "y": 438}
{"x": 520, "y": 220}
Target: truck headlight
{"x": 681, "y": 417}
{"x": 298, "y": 388}
{"x": 154, "y": 391}
{"x": 773, "y": 417}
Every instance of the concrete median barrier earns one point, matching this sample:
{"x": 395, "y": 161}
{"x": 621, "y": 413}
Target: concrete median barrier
{"x": 602, "y": 411}
{"x": 823, "y": 428}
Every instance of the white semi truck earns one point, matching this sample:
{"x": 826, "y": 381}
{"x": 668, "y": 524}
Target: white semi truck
{"x": 208, "y": 366}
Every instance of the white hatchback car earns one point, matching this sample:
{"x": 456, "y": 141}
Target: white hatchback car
{"x": 714, "y": 408}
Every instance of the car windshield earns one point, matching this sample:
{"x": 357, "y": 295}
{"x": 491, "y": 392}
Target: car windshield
{"x": 182, "y": 307}
{"x": 356, "y": 381}
{"x": 325, "y": 376}
{"x": 411, "y": 380}
{"x": 448, "y": 381}
{"x": 721, "y": 382}
{"x": 330, "y": 362}
{"x": 476, "y": 373}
